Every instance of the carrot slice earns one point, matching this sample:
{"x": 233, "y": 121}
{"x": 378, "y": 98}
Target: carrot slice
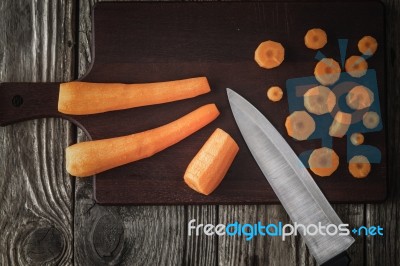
{"x": 359, "y": 97}
{"x": 83, "y": 98}
{"x": 357, "y": 139}
{"x": 327, "y": 71}
{"x": 210, "y": 165}
{"x": 274, "y": 94}
{"x": 356, "y": 66}
{"x": 359, "y": 166}
{"x": 300, "y": 125}
{"x": 367, "y": 45}
{"x": 269, "y": 54}
{"x": 371, "y": 120}
{"x": 319, "y": 100}
{"x": 323, "y": 161}
{"x": 315, "y": 39}
{"x": 92, "y": 157}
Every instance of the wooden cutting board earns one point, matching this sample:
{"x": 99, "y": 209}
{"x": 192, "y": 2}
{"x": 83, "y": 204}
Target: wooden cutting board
{"x": 149, "y": 42}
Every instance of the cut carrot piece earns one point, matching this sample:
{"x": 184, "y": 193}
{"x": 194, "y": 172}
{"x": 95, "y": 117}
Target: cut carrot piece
{"x": 92, "y": 157}
{"x": 359, "y": 166}
{"x": 359, "y": 97}
{"x": 269, "y": 54}
{"x": 327, "y": 71}
{"x": 356, "y": 66}
{"x": 357, "y": 139}
{"x": 315, "y": 39}
{"x": 300, "y": 125}
{"x": 340, "y": 124}
{"x": 319, "y": 100}
{"x": 210, "y": 165}
{"x": 371, "y": 120}
{"x": 83, "y": 98}
{"x": 275, "y": 94}
{"x": 323, "y": 161}
{"x": 367, "y": 45}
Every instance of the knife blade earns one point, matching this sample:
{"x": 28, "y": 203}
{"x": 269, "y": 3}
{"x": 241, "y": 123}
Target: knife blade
{"x": 291, "y": 181}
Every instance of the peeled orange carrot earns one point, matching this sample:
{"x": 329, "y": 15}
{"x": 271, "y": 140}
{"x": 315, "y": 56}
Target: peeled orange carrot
{"x": 82, "y": 98}
{"x": 359, "y": 166}
{"x": 357, "y": 139}
{"x": 269, "y": 54}
{"x": 319, "y": 100}
{"x": 274, "y": 93}
{"x": 356, "y": 66}
{"x": 359, "y": 97}
{"x": 327, "y": 71}
{"x": 210, "y": 165}
{"x": 315, "y": 39}
{"x": 340, "y": 124}
{"x": 367, "y": 45}
{"x": 323, "y": 161}
{"x": 92, "y": 157}
{"x": 300, "y": 125}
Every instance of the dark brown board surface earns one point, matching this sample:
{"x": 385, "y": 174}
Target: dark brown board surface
{"x": 146, "y": 42}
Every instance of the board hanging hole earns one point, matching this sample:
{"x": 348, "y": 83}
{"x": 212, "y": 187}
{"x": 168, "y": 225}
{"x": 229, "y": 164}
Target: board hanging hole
{"x": 17, "y": 101}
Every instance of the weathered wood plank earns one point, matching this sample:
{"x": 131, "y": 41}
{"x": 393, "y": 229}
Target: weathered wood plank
{"x": 36, "y": 192}
{"x": 385, "y": 250}
{"x": 134, "y": 235}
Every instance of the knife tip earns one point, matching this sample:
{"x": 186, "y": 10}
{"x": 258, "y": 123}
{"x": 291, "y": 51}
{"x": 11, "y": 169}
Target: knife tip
{"x": 229, "y": 92}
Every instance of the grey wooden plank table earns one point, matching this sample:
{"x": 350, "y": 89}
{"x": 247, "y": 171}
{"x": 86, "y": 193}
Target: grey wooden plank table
{"x": 48, "y": 218}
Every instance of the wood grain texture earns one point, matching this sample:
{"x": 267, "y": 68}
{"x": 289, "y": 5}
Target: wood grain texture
{"x": 235, "y": 251}
{"x": 132, "y": 235}
{"x": 35, "y": 206}
{"x": 125, "y": 59}
{"x": 36, "y": 192}
{"x": 385, "y": 250}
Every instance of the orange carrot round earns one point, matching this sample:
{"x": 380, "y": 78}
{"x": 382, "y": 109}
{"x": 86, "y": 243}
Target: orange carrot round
{"x": 367, "y": 45}
{"x": 356, "y": 66}
{"x": 269, "y": 54}
{"x": 315, "y": 39}
{"x": 323, "y": 161}
{"x": 327, "y": 71}
{"x": 359, "y": 166}
{"x": 274, "y": 94}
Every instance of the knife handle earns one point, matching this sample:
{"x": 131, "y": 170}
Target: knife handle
{"x": 342, "y": 259}
{"x": 23, "y": 101}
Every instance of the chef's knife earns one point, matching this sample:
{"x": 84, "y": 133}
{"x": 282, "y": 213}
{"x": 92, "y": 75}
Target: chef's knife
{"x": 292, "y": 183}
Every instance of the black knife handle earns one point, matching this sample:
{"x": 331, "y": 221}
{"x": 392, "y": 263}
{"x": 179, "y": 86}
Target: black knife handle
{"x": 342, "y": 259}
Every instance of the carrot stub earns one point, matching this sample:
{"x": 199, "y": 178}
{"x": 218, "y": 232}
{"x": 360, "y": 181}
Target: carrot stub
{"x": 210, "y": 165}
{"x": 340, "y": 124}
{"x": 83, "y": 98}
{"x": 92, "y": 157}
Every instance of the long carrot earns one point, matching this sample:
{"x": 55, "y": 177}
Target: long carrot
{"x": 82, "y": 98}
{"x": 92, "y": 157}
